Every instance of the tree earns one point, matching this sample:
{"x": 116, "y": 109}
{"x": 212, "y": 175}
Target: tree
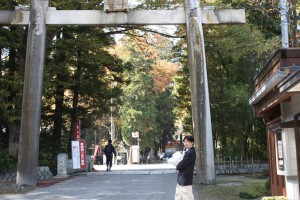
{"x": 75, "y": 81}
{"x": 138, "y": 108}
{"x": 165, "y": 118}
{"x": 230, "y": 70}
{"x": 81, "y": 82}
{"x": 181, "y": 93}
{"x": 146, "y": 96}
{"x": 13, "y": 48}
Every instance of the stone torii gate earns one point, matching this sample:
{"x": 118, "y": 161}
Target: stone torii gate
{"x": 40, "y": 15}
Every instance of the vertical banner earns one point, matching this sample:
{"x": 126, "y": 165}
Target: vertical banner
{"x": 77, "y": 130}
{"x": 82, "y": 154}
{"x": 75, "y": 155}
{"x": 79, "y": 154}
{"x": 96, "y": 152}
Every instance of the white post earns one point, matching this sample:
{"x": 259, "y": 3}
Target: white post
{"x": 284, "y": 24}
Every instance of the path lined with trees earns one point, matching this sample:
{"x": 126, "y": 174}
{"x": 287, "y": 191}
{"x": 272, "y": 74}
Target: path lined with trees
{"x": 85, "y": 69}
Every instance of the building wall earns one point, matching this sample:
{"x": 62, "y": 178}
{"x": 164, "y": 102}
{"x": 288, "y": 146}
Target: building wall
{"x": 289, "y": 151}
{"x": 289, "y": 110}
{"x": 292, "y": 192}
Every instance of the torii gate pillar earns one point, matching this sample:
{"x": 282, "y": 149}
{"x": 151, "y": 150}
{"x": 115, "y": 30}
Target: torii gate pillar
{"x": 202, "y": 129}
{"x": 32, "y": 94}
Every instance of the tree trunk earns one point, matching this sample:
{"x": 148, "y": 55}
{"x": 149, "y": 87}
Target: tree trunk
{"x": 14, "y": 135}
{"x": 74, "y": 117}
{"x": 223, "y": 144}
{"x": 59, "y": 105}
{"x": 13, "y": 127}
{"x": 245, "y": 146}
{"x": 293, "y": 24}
{"x": 58, "y": 115}
{"x": 164, "y": 141}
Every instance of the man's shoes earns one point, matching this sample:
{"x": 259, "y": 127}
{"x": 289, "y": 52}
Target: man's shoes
{"x": 107, "y": 169}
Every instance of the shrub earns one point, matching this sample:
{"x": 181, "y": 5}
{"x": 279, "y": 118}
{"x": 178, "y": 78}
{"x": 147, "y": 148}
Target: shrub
{"x": 8, "y": 162}
{"x": 244, "y": 195}
{"x": 265, "y": 173}
{"x": 46, "y": 159}
{"x": 268, "y": 187}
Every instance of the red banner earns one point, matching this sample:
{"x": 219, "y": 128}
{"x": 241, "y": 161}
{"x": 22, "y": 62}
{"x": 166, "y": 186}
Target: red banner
{"x": 96, "y": 152}
{"x": 82, "y": 154}
{"x": 77, "y": 131}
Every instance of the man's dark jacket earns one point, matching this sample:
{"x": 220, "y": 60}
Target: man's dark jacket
{"x": 109, "y": 150}
{"x": 186, "y": 168}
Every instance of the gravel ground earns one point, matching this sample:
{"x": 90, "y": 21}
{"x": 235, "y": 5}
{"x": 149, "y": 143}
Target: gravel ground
{"x": 10, "y": 187}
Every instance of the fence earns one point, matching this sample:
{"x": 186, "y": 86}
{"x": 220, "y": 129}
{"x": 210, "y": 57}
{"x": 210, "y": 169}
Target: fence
{"x": 239, "y": 165}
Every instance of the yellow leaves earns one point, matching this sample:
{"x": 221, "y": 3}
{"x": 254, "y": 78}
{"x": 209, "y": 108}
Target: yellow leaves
{"x": 164, "y": 72}
{"x": 151, "y": 48}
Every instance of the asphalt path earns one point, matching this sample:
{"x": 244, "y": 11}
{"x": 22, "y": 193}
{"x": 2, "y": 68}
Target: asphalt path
{"x": 124, "y": 182}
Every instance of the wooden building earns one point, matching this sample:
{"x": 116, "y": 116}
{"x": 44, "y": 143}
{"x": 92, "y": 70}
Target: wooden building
{"x": 277, "y": 100}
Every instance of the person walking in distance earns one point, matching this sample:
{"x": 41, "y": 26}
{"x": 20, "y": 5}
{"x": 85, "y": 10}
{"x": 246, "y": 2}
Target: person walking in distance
{"x": 161, "y": 157}
{"x": 109, "y": 150}
{"x": 184, "y": 189}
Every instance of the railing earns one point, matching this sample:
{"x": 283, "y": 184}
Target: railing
{"x": 239, "y": 165}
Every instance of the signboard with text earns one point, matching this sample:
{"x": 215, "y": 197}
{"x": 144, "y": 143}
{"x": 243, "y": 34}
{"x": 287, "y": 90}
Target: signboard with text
{"x": 135, "y": 134}
{"x": 79, "y": 154}
{"x": 135, "y": 154}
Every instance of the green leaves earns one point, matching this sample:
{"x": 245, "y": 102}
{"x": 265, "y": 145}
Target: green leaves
{"x": 234, "y": 53}
{"x": 143, "y": 108}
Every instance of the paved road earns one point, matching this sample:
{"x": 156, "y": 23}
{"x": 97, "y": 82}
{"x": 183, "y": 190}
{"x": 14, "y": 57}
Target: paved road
{"x": 128, "y": 182}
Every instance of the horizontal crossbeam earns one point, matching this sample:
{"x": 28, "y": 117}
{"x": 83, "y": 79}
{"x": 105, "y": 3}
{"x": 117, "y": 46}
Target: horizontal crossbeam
{"x": 137, "y": 17}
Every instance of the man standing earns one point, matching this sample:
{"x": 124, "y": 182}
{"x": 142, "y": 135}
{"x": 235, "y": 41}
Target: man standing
{"x": 109, "y": 150}
{"x": 184, "y": 189}
{"x": 161, "y": 156}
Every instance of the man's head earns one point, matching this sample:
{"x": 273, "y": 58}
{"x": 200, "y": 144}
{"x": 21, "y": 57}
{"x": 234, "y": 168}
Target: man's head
{"x": 109, "y": 141}
{"x": 188, "y": 141}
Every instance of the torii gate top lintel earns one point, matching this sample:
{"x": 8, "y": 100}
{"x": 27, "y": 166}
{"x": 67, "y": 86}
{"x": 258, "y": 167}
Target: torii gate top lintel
{"x": 20, "y": 16}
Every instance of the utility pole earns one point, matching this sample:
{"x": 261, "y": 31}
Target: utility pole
{"x": 284, "y": 24}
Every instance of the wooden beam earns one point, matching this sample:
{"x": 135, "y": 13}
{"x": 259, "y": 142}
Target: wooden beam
{"x": 263, "y": 107}
{"x": 137, "y": 17}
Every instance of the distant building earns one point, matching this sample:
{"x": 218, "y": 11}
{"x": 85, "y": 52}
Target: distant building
{"x": 277, "y": 100}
